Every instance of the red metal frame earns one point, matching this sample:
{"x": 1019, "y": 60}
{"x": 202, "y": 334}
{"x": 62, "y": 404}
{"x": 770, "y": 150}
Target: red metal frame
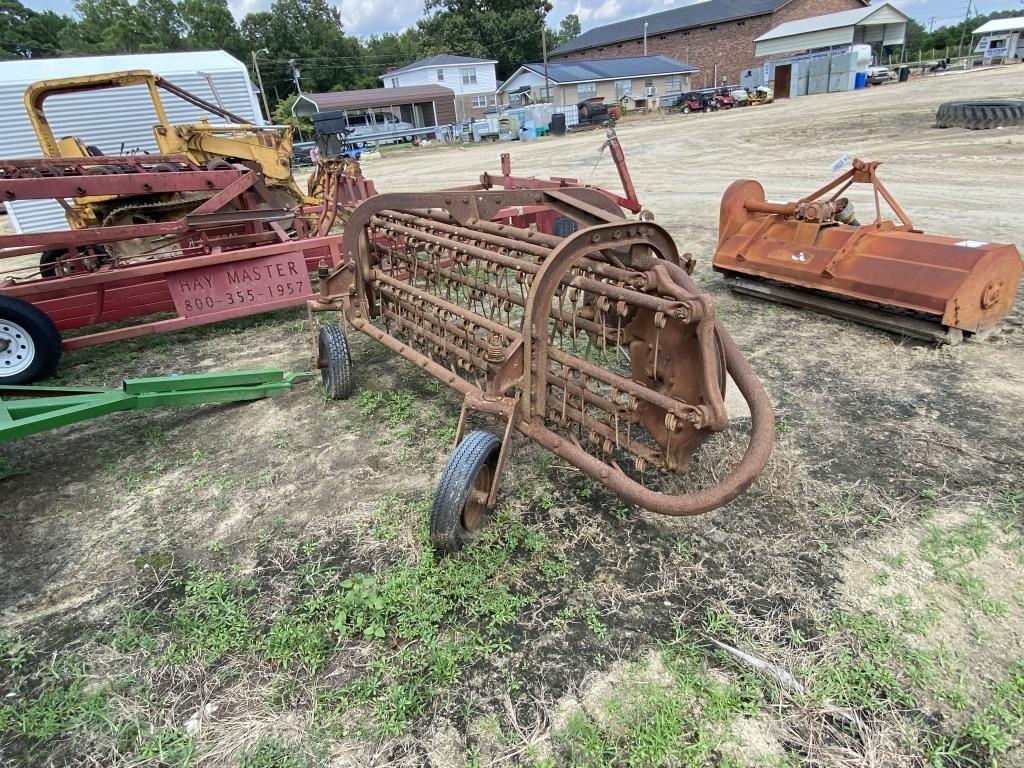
{"x": 235, "y": 229}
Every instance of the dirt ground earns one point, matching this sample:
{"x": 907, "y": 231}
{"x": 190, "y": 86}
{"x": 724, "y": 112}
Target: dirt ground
{"x": 166, "y": 572}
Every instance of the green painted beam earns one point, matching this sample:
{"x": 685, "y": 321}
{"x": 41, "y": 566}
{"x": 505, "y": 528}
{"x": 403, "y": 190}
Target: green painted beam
{"x": 57, "y": 407}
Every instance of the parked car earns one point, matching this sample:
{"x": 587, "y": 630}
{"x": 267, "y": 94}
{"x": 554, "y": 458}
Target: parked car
{"x": 878, "y": 75}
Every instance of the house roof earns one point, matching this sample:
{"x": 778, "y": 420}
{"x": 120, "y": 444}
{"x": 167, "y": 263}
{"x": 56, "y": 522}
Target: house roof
{"x": 440, "y": 60}
{"x": 1000, "y": 25}
{"x": 375, "y": 97}
{"x": 565, "y": 72}
{"x": 828, "y": 21}
{"x": 683, "y": 17}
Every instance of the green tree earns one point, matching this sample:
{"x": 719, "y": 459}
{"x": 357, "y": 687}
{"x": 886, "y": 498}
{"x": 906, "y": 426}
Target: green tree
{"x": 567, "y": 30}
{"x": 506, "y": 30}
{"x": 27, "y": 34}
{"x": 309, "y": 32}
{"x": 208, "y": 25}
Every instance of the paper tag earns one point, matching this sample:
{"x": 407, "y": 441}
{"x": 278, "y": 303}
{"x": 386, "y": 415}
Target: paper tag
{"x": 840, "y": 162}
{"x": 972, "y": 243}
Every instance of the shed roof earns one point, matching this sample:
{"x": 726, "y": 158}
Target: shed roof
{"x": 1000, "y": 25}
{"x": 375, "y": 97}
{"x": 166, "y": 64}
{"x": 564, "y": 72}
{"x": 440, "y": 60}
{"x": 683, "y": 17}
{"x": 827, "y": 21}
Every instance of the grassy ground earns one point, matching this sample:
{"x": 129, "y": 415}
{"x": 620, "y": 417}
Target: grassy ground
{"x": 250, "y": 585}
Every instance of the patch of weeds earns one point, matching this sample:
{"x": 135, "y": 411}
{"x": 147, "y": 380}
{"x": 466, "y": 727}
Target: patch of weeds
{"x": 950, "y": 552}
{"x": 872, "y": 667}
{"x": 594, "y": 623}
{"x": 50, "y": 706}
{"x": 368, "y": 400}
{"x": 718, "y": 623}
{"x": 989, "y": 733}
{"x": 679, "y": 722}
{"x": 210, "y": 620}
{"x": 273, "y": 753}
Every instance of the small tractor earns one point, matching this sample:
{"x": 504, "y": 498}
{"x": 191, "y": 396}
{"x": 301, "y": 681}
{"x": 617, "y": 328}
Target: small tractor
{"x": 202, "y": 144}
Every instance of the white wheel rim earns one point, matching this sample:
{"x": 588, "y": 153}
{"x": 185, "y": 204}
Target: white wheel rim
{"x": 17, "y": 350}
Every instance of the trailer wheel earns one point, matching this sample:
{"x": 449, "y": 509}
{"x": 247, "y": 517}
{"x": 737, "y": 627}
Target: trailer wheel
{"x": 30, "y": 345}
{"x": 460, "y": 507}
{"x": 687, "y": 110}
{"x": 335, "y": 362}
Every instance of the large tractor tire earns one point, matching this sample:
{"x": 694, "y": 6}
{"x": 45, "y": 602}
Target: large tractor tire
{"x": 980, "y": 115}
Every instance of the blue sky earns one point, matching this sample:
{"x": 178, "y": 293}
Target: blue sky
{"x": 368, "y": 17}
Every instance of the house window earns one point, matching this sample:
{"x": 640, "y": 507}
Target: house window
{"x": 394, "y": 82}
{"x": 440, "y": 75}
{"x": 480, "y": 101}
{"x": 674, "y": 84}
{"x": 622, "y": 87}
{"x": 469, "y": 75}
{"x": 586, "y": 91}
{"x": 494, "y": 100}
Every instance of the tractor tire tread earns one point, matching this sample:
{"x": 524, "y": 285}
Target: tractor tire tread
{"x": 980, "y": 115}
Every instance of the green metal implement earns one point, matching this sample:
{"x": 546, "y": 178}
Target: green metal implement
{"x": 37, "y": 409}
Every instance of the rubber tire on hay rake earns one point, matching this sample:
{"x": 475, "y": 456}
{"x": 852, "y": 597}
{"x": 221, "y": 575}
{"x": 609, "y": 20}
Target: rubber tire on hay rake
{"x": 335, "y": 362}
{"x": 460, "y": 508}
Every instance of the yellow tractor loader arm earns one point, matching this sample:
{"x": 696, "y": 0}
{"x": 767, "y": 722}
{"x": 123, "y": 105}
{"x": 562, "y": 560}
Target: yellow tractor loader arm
{"x": 203, "y": 143}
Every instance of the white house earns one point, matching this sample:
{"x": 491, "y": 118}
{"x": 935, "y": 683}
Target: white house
{"x": 119, "y": 120}
{"x": 473, "y": 81}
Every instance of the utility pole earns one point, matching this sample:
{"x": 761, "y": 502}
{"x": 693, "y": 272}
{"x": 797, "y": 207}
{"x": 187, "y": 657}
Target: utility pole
{"x": 544, "y": 48}
{"x": 263, "y": 92}
{"x": 931, "y": 25}
{"x": 295, "y": 75}
{"x": 959, "y": 48}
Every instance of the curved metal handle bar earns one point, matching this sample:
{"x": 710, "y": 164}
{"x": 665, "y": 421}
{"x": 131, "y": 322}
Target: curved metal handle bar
{"x": 762, "y": 437}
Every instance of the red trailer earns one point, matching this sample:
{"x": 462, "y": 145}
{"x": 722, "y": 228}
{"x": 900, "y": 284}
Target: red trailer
{"x": 231, "y": 253}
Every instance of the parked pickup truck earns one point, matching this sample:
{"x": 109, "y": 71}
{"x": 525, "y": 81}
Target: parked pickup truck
{"x": 878, "y": 75}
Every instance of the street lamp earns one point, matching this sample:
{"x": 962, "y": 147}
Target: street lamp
{"x": 259, "y": 79}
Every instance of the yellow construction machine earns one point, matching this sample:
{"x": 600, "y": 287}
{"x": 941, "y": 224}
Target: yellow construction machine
{"x": 213, "y": 146}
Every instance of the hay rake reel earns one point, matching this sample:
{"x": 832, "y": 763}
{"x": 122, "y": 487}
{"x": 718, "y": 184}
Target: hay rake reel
{"x": 597, "y": 345}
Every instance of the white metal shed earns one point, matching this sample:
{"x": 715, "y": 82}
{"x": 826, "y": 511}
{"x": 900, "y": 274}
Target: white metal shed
{"x": 883, "y": 23}
{"x": 115, "y": 120}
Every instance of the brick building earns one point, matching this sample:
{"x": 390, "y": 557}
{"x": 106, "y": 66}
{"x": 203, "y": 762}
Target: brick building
{"x": 716, "y": 36}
